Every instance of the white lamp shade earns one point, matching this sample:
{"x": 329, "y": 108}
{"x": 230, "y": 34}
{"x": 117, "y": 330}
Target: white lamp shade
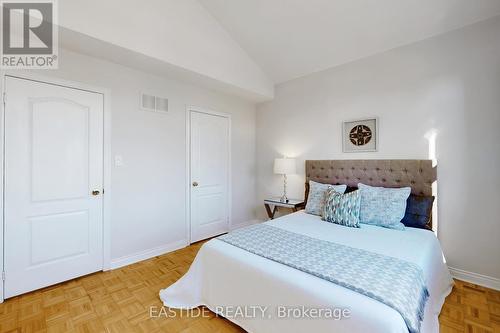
{"x": 285, "y": 166}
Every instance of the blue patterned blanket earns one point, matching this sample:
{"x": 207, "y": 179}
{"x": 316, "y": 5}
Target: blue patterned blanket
{"x": 394, "y": 282}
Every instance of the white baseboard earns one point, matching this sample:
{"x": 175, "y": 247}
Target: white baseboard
{"x": 479, "y": 279}
{"x": 245, "y": 224}
{"x": 147, "y": 254}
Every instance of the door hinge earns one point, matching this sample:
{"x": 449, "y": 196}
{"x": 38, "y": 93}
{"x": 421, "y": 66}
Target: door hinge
{"x": 3, "y": 276}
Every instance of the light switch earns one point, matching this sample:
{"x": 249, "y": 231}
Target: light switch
{"x": 118, "y": 161}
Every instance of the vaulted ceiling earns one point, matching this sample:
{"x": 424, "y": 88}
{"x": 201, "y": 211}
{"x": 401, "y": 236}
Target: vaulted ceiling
{"x": 245, "y": 47}
{"x": 173, "y": 38}
{"x": 293, "y": 38}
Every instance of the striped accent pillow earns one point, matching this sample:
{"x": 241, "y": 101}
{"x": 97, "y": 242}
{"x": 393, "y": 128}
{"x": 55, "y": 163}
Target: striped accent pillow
{"x": 342, "y": 209}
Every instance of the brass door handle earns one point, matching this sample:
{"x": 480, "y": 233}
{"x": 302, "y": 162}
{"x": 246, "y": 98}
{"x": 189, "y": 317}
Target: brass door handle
{"x": 96, "y": 193}
{"x": 195, "y": 184}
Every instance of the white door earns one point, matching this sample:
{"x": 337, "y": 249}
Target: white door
{"x": 53, "y": 164}
{"x": 209, "y": 175}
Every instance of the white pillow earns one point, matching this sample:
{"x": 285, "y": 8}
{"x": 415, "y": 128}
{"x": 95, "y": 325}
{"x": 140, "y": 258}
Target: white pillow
{"x": 317, "y": 196}
{"x": 382, "y": 206}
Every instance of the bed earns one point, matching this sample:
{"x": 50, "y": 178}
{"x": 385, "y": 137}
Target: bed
{"x": 227, "y": 277}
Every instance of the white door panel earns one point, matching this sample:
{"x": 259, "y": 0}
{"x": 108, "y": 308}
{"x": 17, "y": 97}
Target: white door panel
{"x": 209, "y": 175}
{"x": 53, "y": 162}
{"x": 52, "y": 240}
{"x": 68, "y": 159}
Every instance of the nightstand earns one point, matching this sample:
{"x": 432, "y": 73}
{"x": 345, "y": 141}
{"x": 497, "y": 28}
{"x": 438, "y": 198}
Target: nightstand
{"x": 292, "y": 204}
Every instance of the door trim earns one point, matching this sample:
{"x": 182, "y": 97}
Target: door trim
{"x": 108, "y": 160}
{"x": 189, "y": 110}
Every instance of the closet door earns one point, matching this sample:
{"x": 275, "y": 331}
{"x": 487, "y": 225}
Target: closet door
{"x": 53, "y": 184}
{"x": 209, "y": 175}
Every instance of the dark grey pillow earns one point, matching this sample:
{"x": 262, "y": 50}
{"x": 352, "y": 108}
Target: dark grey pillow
{"x": 418, "y": 211}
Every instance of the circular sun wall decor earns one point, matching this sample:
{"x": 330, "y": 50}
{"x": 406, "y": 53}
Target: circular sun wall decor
{"x": 360, "y": 135}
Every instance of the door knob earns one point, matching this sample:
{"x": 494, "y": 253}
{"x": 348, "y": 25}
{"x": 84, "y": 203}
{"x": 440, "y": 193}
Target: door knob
{"x": 195, "y": 184}
{"x": 96, "y": 193}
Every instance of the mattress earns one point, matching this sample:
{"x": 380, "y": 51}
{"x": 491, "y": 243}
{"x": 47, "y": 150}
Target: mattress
{"x": 255, "y": 292}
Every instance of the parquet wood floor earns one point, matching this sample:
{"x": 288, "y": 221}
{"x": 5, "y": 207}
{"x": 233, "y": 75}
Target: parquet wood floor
{"x": 120, "y": 301}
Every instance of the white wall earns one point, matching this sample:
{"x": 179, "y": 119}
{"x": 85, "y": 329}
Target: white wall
{"x": 148, "y": 192}
{"x": 180, "y": 33}
{"x": 448, "y": 85}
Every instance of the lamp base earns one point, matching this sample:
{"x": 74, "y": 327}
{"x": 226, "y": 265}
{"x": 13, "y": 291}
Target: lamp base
{"x": 284, "y": 198}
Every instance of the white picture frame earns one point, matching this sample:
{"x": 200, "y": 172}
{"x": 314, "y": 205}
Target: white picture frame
{"x": 368, "y": 131}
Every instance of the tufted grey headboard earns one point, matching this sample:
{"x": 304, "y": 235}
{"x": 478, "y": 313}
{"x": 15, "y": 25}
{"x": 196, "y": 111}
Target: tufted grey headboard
{"x": 417, "y": 174}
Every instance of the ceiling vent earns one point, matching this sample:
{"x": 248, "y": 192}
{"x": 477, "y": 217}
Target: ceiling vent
{"x": 154, "y": 103}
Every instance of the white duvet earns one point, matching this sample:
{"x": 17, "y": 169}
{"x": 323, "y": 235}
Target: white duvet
{"x": 224, "y": 276}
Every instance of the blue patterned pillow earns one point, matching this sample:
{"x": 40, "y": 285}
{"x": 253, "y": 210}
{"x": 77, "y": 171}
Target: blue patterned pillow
{"x": 382, "y": 206}
{"x": 317, "y": 196}
{"x": 342, "y": 209}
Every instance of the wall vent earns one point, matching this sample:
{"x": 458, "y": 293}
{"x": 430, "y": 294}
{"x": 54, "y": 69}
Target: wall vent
{"x": 154, "y": 103}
